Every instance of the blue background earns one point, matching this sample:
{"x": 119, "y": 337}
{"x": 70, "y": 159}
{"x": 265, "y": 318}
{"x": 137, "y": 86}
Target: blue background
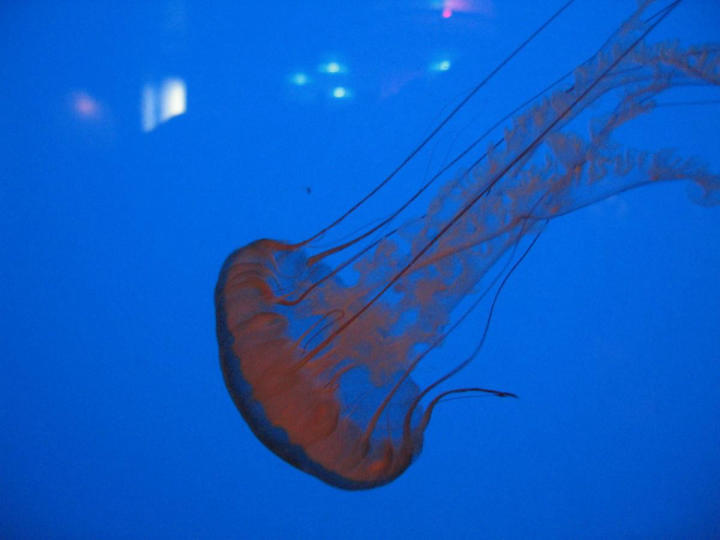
{"x": 115, "y": 421}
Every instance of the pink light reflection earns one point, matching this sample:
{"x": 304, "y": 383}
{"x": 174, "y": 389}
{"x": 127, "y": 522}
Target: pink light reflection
{"x": 84, "y": 105}
{"x": 477, "y": 7}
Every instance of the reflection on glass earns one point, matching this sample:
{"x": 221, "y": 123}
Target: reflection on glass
{"x": 331, "y": 67}
{"x": 340, "y": 92}
{"x": 442, "y": 65}
{"x": 161, "y": 102}
{"x": 299, "y": 79}
{"x": 85, "y": 106}
{"x": 448, "y": 7}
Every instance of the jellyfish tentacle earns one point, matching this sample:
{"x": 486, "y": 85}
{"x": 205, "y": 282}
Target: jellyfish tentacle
{"x": 371, "y": 424}
{"x": 339, "y": 401}
{"x": 443, "y": 123}
{"x": 565, "y": 110}
{"x": 478, "y": 347}
{"x": 427, "y": 415}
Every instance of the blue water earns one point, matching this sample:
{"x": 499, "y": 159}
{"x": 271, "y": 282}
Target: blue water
{"x": 115, "y": 219}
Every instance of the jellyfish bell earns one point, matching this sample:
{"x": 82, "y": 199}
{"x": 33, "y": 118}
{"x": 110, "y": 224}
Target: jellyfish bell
{"x": 321, "y": 367}
{"x": 290, "y": 403}
{"x": 305, "y": 407}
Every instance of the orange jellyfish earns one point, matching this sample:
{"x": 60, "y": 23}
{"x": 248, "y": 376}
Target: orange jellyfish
{"x": 321, "y": 366}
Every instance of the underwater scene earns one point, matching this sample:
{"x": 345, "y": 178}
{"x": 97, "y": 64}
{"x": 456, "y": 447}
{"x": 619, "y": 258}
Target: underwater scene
{"x": 428, "y": 269}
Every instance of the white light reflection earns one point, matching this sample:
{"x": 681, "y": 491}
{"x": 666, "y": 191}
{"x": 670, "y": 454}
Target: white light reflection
{"x": 340, "y": 92}
{"x": 161, "y": 102}
{"x": 299, "y": 79}
{"x": 328, "y": 81}
{"x": 173, "y": 99}
{"x": 148, "y": 106}
{"x": 442, "y": 65}
{"x": 332, "y": 68}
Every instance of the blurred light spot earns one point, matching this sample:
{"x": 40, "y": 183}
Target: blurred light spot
{"x": 476, "y": 7}
{"x": 332, "y": 67}
{"x": 84, "y": 105}
{"x": 148, "y": 105}
{"x": 299, "y": 79}
{"x": 443, "y": 65}
{"x": 340, "y": 92}
{"x": 173, "y": 99}
{"x": 161, "y": 102}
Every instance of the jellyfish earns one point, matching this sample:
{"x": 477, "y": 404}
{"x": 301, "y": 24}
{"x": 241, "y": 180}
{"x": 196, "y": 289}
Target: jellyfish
{"x": 318, "y": 349}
